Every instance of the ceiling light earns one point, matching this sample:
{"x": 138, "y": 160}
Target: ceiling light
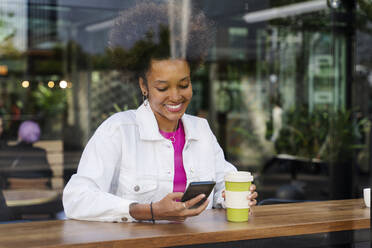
{"x": 285, "y": 11}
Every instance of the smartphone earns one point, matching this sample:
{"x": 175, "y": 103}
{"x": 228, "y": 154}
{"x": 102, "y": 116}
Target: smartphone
{"x": 196, "y": 188}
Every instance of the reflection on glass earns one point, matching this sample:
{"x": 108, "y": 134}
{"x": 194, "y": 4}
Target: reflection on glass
{"x": 278, "y": 83}
{"x": 286, "y": 11}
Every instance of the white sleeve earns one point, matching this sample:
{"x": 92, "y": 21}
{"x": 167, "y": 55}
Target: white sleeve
{"x": 88, "y": 196}
{"x": 222, "y": 168}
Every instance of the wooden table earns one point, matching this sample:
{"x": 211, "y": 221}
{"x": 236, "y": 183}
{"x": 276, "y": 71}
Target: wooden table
{"x": 33, "y": 204}
{"x": 17, "y": 198}
{"x": 210, "y": 227}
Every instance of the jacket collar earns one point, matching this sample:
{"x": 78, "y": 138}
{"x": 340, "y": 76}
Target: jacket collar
{"x": 149, "y": 129}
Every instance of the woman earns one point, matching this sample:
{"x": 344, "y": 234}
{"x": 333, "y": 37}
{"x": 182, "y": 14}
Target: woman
{"x": 138, "y": 162}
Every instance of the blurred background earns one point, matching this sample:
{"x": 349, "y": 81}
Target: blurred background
{"x": 286, "y": 88}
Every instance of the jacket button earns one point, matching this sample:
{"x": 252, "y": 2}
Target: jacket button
{"x": 136, "y": 188}
{"x": 124, "y": 219}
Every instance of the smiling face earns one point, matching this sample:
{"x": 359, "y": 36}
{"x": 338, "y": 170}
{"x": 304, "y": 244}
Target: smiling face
{"x": 169, "y": 91}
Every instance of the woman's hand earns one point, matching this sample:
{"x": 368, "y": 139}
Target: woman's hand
{"x": 252, "y": 196}
{"x": 169, "y": 209}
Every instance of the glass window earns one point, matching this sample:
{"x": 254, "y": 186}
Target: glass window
{"x": 286, "y": 88}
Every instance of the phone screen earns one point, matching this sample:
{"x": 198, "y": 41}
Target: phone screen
{"x": 196, "y": 188}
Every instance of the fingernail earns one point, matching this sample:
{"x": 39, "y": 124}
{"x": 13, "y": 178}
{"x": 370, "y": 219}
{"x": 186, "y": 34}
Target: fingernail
{"x": 203, "y": 195}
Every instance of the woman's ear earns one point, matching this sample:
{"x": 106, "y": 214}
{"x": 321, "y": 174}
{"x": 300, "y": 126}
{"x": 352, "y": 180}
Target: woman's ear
{"x": 143, "y": 86}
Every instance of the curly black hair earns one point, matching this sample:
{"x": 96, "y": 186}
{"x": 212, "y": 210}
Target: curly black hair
{"x": 143, "y": 33}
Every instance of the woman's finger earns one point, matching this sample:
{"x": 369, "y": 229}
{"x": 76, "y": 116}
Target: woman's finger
{"x": 252, "y": 188}
{"x": 198, "y": 210}
{"x": 194, "y": 200}
{"x": 252, "y": 196}
{"x": 252, "y": 203}
{"x": 182, "y": 206}
{"x": 175, "y": 195}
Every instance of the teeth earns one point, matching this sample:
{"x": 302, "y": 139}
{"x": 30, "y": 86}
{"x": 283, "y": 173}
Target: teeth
{"x": 174, "y": 106}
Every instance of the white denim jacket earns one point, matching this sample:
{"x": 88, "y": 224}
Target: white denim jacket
{"x": 127, "y": 160}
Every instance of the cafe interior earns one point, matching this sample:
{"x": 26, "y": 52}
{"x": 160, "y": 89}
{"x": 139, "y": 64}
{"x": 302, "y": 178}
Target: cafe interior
{"x": 286, "y": 88}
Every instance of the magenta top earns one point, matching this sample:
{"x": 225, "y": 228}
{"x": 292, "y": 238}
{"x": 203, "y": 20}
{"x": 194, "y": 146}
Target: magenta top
{"x": 179, "y": 181}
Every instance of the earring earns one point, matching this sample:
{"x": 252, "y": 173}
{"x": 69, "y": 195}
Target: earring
{"x": 144, "y": 98}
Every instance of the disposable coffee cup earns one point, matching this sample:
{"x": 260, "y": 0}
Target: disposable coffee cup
{"x": 367, "y": 196}
{"x": 237, "y": 186}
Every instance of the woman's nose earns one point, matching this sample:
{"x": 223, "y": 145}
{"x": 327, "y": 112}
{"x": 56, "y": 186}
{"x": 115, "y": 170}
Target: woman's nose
{"x": 175, "y": 95}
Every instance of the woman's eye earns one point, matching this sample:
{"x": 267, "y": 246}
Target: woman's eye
{"x": 161, "y": 89}
{"x": 184, "y": 86}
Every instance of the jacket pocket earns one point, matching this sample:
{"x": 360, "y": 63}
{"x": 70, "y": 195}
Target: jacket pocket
{"x": 206, "y": 173}
{"x": 141, "y": 190}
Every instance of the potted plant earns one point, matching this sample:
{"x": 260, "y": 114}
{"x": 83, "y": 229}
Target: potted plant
{"x": 51, "y": 104}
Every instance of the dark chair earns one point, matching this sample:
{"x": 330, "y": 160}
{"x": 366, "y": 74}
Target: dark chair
{"x": 5, "y": 212}
{"x": 25, "y": 167}
{"x": 285, "y": 163}
{"x": 294, "y": 178}
{"x": 34, "y": 204}
{"x": 43, "y": 211}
